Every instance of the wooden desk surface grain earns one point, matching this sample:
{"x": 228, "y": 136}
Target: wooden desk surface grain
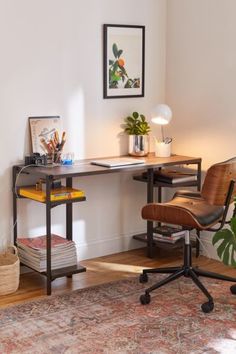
{"x": 85, "y": 168}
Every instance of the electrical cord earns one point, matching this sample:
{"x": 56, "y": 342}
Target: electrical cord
{"x": 17, "y": 196}
{"x": 15, "y": 187}
{"x": 18, "y": 175}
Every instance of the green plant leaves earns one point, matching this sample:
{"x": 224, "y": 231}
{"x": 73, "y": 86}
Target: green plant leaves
{"x": 123, "y": 71}
{"x": 117, "y": 68}
{"x": 136, "y": 124}
{"x": 115, "y": 50}
{"x": 233, "y": 225}
{"x": 129, "y": 83}
{"x": 226, "y": 240}
{"x": 130, "y": 119}
{"x": 119, "y": 53}
{"x": 142, "y": 117}
{"x": 115, "y": 77}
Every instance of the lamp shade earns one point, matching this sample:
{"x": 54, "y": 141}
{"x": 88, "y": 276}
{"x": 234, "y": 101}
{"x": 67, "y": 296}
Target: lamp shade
{"x": 161, "y": 114}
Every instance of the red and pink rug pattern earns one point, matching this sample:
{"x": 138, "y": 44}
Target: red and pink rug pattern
{"x": 109, "y": 319}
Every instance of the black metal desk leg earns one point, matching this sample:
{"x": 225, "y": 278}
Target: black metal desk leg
{"x": 48, "y": 235}
{"x": 14, "y": 204}
{"x": 199, "y": 176}
{"x": 198, "y": 188}
{"x": 69, "y": 214}
{"x": 69, "y": 217}
{"x": 198, "y": 243}
{"x": 150, "y": 181}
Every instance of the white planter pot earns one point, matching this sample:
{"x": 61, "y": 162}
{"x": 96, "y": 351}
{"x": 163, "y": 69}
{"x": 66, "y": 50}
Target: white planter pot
{"x": 138, "y": 145}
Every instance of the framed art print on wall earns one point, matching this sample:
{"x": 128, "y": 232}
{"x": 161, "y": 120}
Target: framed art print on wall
{"x": 124, "y": 56}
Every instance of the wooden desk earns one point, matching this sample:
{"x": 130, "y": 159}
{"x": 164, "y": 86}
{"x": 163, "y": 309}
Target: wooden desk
{"x": 85, "y": 168}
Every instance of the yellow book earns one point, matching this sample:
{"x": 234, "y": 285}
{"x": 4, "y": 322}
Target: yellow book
{"x": 62, "y": 193}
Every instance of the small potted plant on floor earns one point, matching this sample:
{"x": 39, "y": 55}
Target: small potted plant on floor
{"x": 225, "y": 242}
{"x": 137, "y": 127}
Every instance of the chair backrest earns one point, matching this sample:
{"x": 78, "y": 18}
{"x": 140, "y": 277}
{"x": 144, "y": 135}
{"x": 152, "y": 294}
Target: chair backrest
{"x": 217, "y": 182}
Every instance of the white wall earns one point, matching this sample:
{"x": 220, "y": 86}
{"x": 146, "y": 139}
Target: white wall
{"x": 200, "y": 81}
{"x": 51, "y": 63}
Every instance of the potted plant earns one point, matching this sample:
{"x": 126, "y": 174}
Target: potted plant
{"x": 226, "y": 246}
{"x": 138, "y": 129}
{"x": 226, "y": 243}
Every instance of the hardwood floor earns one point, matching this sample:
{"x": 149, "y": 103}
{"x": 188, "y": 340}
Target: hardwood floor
{"x": 105, "y": 269}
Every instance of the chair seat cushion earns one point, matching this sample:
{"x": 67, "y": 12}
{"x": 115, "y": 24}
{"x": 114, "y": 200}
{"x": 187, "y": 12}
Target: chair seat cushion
{"x": 187, "y": 209}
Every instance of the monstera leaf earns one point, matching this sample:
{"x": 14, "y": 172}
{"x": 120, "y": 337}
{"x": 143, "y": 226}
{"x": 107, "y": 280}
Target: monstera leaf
{"x": 226, "y": 244}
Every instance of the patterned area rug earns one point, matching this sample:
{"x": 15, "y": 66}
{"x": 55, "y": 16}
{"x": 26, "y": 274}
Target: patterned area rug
{"x": 109, "y": 319}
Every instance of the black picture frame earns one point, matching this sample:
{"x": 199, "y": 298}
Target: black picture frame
{"x": 123, "y": 61}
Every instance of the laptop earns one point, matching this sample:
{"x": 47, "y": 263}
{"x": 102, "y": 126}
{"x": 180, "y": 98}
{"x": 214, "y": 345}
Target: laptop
{"x": 117, "y": 161}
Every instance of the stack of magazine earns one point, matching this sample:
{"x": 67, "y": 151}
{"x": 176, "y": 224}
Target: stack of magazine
{"x": 32, "y": 252}
{"x": 168, "y": 234}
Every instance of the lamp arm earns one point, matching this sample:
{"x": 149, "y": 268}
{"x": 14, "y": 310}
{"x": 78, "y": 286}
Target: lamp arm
{"x": 162, "y": 133}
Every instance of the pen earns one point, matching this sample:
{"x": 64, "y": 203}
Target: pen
{"x": 63, "y": 136}
{"x": 61, "y": 145}
{"x": 45, "y": 145}
{"x": 53, "y": 144}
{"x": 168, "y": 140}
{"x": 56, "y": 137}
{"x": 50, "y": 150}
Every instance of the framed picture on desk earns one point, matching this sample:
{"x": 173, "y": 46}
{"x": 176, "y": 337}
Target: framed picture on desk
{"x": 124, "y": 55}
{"x": 43, "y": 128}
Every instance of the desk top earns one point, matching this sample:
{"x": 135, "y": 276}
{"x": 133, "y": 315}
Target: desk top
{"x": 85, "y": 168}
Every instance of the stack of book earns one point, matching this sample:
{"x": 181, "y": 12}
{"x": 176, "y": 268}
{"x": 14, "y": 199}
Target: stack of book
{"x": 32, "y": 252}
{"x": 57, "y": 194}
{"x": 167, "y": 234}
{"x": 172, "y": 176}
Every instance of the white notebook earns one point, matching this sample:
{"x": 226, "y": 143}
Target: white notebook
{"x": 117, "y": 161}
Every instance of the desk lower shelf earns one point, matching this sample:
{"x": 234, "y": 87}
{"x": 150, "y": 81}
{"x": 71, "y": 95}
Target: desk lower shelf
{"x": 140, "y": 178}
{"x": 61, "y": 272}
{"x": 164, "y": 245}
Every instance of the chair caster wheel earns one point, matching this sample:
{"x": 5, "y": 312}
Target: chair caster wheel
{"x": 143, "y": 278}
{"x": 233, "y": 289}
{"x": 207, "y": 307}
{"x": 145, "y": 299}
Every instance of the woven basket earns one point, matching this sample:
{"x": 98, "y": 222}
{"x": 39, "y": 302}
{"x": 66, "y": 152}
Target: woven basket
{"x": 9, "y": 271}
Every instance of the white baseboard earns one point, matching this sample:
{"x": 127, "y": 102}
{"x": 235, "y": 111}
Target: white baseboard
{"x": 116, "y": 244}
{"x": 206, "y": 247}
{"x": 103, "y": 247}
{"x": 99, "y": 248}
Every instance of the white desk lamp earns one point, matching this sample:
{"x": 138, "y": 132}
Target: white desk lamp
{"x": 162, "y": 115}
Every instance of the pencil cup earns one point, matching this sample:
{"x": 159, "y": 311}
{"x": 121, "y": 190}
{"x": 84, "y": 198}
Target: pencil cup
{"x": 162, "y": 149}
{"x": 50, "y": 158}
{"x": 57, "y": 157}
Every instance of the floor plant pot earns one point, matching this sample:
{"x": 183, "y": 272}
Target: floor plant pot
{"x": 138, "y": 145}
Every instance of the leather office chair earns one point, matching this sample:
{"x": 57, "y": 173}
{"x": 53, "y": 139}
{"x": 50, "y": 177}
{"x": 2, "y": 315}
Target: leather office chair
{"x": 195, "y": 210}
